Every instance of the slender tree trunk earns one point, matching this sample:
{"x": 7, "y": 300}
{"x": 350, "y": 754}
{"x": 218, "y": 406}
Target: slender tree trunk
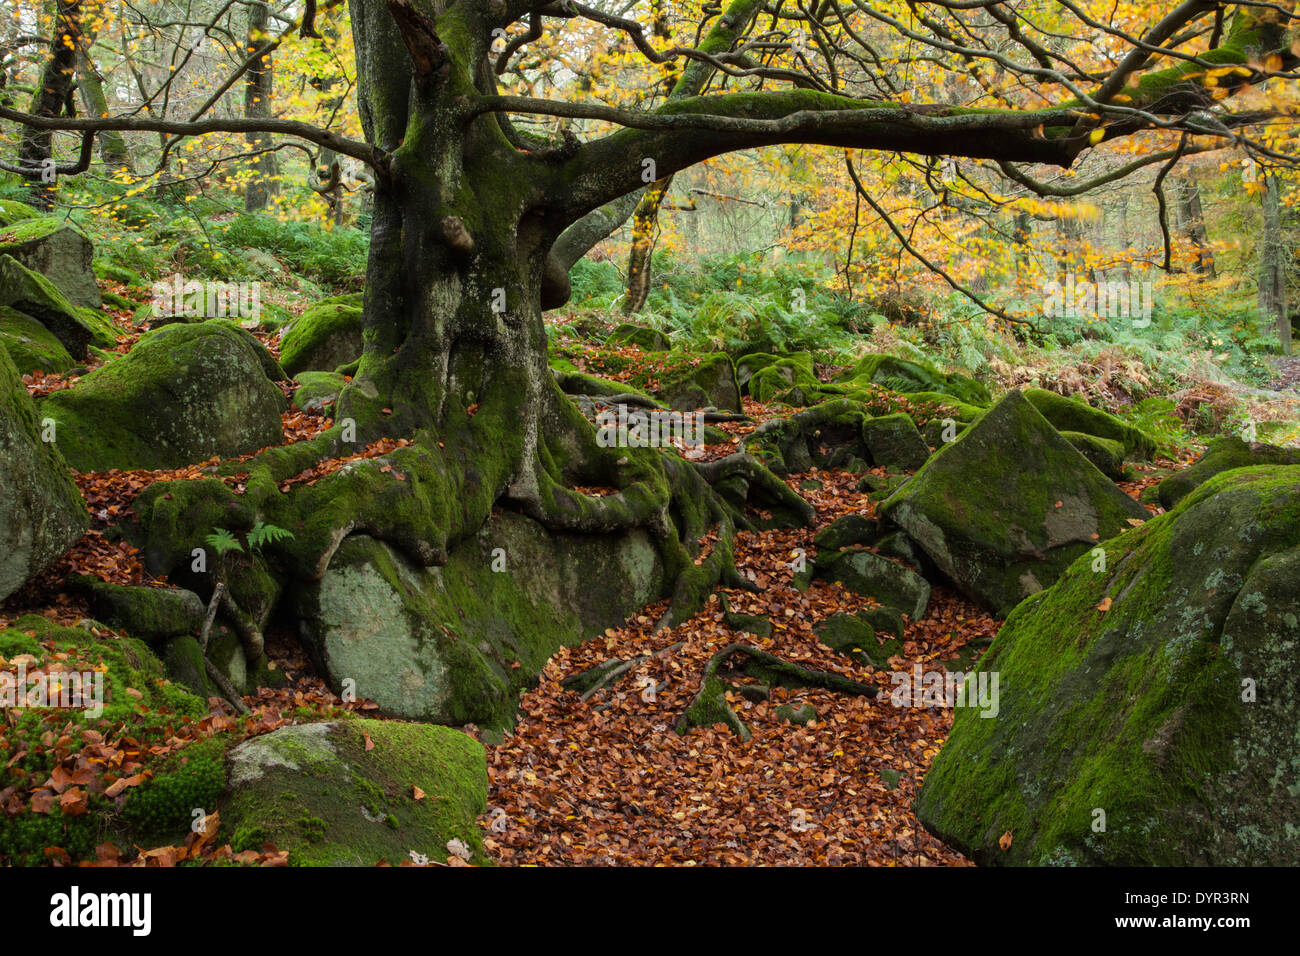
{"x": 1191, "y": 216}
{"x": 645, "y": 232}
{"x": 52, "y": 97}
{"x": 1272, "y": 264}
{"x": 257, "y": 104}
{"x": 112, "y": 145}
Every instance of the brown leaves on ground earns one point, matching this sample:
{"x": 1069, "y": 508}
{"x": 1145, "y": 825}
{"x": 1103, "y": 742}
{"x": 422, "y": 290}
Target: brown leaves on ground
{"x": 608, "y": 781}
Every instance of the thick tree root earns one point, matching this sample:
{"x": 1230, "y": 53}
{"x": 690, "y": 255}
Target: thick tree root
{"x": 710, "y": 707}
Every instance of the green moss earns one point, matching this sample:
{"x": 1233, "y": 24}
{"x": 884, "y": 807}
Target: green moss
{"x": 319, "y": 793}
{"x": 11, "y": 211}
{"x": 1224, "y": 454}
{"x": 1138, "y": 710}
{"x": 182, "y": 395}
{"x": 137, "y": 702}
{"x": 163, "y": 807}
{"x": 902, "y": 375}
{"x": 324, "y": 337}
{"x": 1072, "y": 415}
{"x": 31, "y": 345}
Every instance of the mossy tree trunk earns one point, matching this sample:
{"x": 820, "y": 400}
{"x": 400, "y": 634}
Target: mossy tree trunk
{"x": 1272, "y": 264}
{"x": 52, "y": 97}
{"x": 258, "y": 83}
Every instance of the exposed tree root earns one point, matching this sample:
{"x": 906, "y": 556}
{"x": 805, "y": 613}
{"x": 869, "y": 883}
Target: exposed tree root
{"x": 709, "y": 706}
{"x": 427, "y": 496}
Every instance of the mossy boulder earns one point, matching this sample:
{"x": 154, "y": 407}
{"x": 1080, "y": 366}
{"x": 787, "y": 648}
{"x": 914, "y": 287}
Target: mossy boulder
{"x": 1004, "y": 509}
{"x": 317, "y": 391}
{"x": 325, "y": 337}
{"x": 702, "y": 382}
{"x": 852, "y": 529}
{"x": 834, "y": 434}
{"x": 902, "y": 375}
{"x": 644, "y": 338}
{"x": 871, "y": 575}
{"x": 853, "y": 636}
{"x": 57, "y": 250}
{"x": 34, "y": 295}
{"x": 780, "y": 377}
{"x": 11, "y": 211}
{"x": 42, "y": 513}
{"x": 1106, "y": 454}
{"x": 1172, "y": 712}
{"x": 894, "y": 442}
{"x": 184, "y": 394}
{"x": 455, "y": 644}
{"x": 358, "y": 792}
{"x": 154, "y": 615}
{"x": 31, "y": 345}
{"x": 1073, "y": 415}
{"x": 1224, "y": 454}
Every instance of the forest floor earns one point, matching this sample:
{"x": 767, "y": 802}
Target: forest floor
{"x": 606, "y": 780}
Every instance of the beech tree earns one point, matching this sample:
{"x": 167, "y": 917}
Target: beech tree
{"x": 477, "y": 220}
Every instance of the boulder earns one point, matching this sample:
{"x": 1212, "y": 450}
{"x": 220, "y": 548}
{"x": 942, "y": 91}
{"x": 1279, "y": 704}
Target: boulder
{"x": 1224, "y": 454}
{"x": 1106, "y": 454}
{"x": 31, "y": 345}
{"x": 833, "y": 434}
{"x": 455, "y": 644}
{"x": 781, "y": 376}
{"x": 852, "y": 529}
{"x": 1008, "y": 506}
{"x": 154, "y": 615}
{"x": 317, "y": 391}
{"x": 42, "y": 513}
{"x": 357, "y": 793}
{"x": 1072, "y": 415}
{"x": 57, "y": 250}
{"x": 894, "y": 442}
{"x": 1160, "y": 731}
{"x": 704, "y": 381}
{"x": 853, "y": 636}
{"x": 182, "y": 395}
{"x": 644, "y": 338}
{"x": 325, "y": 337}
{"x": 36, "y": 296}
{"x": 870, "y": 575}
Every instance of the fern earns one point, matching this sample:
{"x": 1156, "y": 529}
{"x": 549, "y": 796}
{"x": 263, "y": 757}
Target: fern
{"x": 263, "y": 534}
{"x": 222, "y": 541}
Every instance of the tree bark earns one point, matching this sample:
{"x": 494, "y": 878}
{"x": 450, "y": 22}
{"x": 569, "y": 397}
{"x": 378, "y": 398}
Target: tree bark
{"x": 52, "y": 97}
{"x": 1192, "y": 219}
{"x": 1272, "y": 264}
{"x": 258, "y": 82}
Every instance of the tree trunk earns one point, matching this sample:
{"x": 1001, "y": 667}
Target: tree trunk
{"x": 257, "y": 104}
{"x": 1192, "y": 220}
{"x": 112, "y": 145}
{"x": 52, "y": 96}
{"x": 1272, "y": 264}
{"x": 645, "y": 231}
